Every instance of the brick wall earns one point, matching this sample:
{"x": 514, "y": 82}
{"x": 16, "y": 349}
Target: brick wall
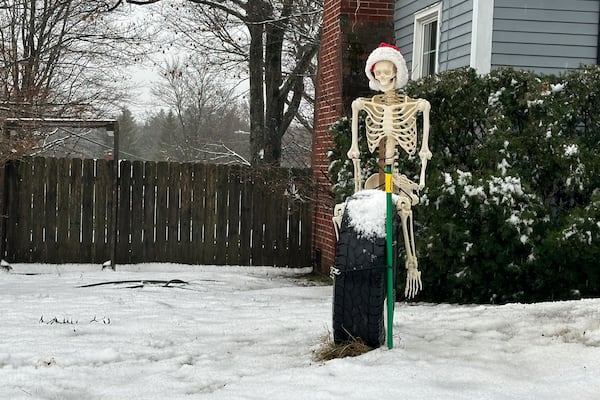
{"x": 351, "y": 30}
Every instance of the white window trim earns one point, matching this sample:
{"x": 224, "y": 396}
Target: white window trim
{"x": 423, "y": 17}
{"x": 481, "y": 36}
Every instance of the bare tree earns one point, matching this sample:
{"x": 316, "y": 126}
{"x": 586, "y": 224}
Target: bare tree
{"x": 61, "y": 58}
{"x": 208, "y": 114}
{"x": 277, "y": 40}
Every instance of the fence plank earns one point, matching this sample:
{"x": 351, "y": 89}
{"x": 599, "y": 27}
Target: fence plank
{"x": 246, "y": 186}
{"x": 221, "y": 213}
{"x": 10, "y": 226}
{"x": 149, "y": 223}
{"x": 25, "y": 217}
{"x": 305, "y": 258}
{"x": 198, "y": 188}
{"x": 271, "y": 222}
{"x": 87, "y": 211}
{"x": 50, "y": 241}
{"x": 74, "y": 211}
{"x": 136, "y": 229}
{"x": 258, "y": 218}
{"x": 233, "y": 217}
{"x": 26, "y": 208}
{"x": 102, "y": 211}
{"x": 62, "y": 212}
{"x": 294, "y": 232}
{"x": 112, "y": 211}
{"x": 37, "y": 209}
{"x": 124, "y": 215}
{"x": 281, "y": 238}
{"x": 185, "y": 215}
{"x": 277, "y": 222}
{"x": 17, "y": 248}
{"x": 210, "y": 202}
{"x": 173, "y": 204}
{"x": 162, "y": 217}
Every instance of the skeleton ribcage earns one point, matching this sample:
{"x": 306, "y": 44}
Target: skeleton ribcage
{"x": 397, "y": 122}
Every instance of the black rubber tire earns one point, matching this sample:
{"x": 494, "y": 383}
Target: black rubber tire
{"x": 359, "y": 288}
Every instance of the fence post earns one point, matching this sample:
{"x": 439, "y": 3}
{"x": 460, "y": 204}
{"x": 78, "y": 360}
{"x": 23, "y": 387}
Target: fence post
{"x": 3, "y": 208}
{"x": 115, "y": 210}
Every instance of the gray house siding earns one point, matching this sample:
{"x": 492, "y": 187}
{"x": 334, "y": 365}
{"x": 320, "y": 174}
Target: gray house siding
{"x": 455, "y": 36}
{"x": 455, "y": 31}
{"x": 546, "y": 36}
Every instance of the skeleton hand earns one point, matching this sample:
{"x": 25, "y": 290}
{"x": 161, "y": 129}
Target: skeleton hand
{"x": 413, "y": 281}
{"x": 408, "y": 187}
{"x": 338, "y": 214}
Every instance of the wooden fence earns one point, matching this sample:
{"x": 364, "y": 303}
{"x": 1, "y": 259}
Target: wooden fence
{"x": 63, "y": 211}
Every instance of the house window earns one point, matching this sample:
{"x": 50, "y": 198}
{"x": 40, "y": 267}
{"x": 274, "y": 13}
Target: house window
{"x": 426, "y": 41}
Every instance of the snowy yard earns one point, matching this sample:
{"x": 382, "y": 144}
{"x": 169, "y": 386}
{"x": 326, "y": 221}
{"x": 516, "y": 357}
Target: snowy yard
{"x": 250, "y": 333}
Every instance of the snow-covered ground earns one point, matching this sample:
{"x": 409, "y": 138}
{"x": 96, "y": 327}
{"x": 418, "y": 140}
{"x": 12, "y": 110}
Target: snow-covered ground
{"x": 250, "y": 333}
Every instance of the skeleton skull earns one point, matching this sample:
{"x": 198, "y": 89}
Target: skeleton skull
{"x": 385, "y": 72}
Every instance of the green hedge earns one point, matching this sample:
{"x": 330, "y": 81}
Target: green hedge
{"x": 511, "y": 211}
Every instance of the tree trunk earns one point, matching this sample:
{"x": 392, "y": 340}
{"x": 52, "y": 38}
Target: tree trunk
{"x": 255, "y": 63}
{"x": 275, "y": 99}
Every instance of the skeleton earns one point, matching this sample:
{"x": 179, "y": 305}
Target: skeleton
{"x": 392, "y": 120}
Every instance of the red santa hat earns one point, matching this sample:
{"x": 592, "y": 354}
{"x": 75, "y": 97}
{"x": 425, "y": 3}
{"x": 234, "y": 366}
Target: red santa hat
{"x": 386, "y": 52}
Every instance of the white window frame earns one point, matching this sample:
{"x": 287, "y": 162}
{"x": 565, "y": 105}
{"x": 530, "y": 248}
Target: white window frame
{"x": 422, "y": 18}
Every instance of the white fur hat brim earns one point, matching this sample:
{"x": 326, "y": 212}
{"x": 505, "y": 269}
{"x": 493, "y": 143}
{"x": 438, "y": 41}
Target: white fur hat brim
{"x": 386, "y": 53}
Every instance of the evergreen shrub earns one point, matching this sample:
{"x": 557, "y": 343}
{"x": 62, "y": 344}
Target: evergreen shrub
{"x": 511, "y": 208}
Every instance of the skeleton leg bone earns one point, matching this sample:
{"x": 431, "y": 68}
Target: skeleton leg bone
{"x": 413, "y": 275}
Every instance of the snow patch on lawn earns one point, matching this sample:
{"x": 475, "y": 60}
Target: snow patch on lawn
{"x": 241, "y": 333}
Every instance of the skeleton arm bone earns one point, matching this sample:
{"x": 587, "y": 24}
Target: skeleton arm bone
{"x": 354, "y": 152}
{"x": 425, "y": 153}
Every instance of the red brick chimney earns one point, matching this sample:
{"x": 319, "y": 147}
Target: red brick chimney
{"x": 351, "y": 30}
